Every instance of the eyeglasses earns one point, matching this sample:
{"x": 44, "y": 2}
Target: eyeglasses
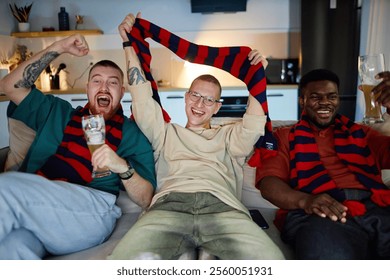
{"x": 207, "y": 100}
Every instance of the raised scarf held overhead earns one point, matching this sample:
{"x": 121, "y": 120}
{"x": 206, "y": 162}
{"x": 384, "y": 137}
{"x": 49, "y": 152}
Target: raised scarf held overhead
{"x": 72, "y": 160}
{"x": 234, "y": 60}
{"x": 309, "y": 175}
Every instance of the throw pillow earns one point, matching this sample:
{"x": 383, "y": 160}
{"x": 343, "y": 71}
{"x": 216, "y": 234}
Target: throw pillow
{"x": 20, "y": 139}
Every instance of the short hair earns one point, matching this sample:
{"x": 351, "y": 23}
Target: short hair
{"x": 318, "y": 75}
{"x": 211, "y": 79}
{"x": 106, "y": 63}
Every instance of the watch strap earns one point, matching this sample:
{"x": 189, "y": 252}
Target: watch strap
{"x": 126, "y": 44}
{"x": 128, "y": 173}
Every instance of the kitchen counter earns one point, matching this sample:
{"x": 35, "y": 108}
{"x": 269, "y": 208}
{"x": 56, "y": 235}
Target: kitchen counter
{"x": 161, "y": 89}
{"x": 3, "y": 97}
{"x": 270, "y": 86}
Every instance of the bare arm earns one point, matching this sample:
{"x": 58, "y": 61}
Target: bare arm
{"x": 282, "y": 195}
{"x": 147, "y": 112}
{"x": 135, "y": 73}
{"x": 18, "y": 83}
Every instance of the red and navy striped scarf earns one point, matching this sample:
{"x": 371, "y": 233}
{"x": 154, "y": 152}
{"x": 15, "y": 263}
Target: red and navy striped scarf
{"x": 234, "y": 60}
{"x": 72, "y": 160}
{"x": 308, "y": 174}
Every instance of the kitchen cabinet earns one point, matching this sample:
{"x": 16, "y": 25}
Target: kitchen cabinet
{"x": 77, "y": 99}
{"x": 173, "y": 104}
{"x": 126, "y": 104}
{"x": 282, "y": 102}
{"x": 282, "y": 105}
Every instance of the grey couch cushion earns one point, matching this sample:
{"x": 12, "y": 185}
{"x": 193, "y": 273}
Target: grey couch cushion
{"x": 131, "y": 214}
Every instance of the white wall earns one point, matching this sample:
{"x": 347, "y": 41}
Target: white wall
{"x": 174, "y": 15}
{"x": 270, "y": 26}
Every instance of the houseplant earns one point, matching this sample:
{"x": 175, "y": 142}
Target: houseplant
{"x": 22, "y": 15}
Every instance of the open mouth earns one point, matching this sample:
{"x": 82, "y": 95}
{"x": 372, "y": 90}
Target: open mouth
{"x": 197, "y": 112}
{"x": 324, "y": 113}
{"x": 103, "y": 100}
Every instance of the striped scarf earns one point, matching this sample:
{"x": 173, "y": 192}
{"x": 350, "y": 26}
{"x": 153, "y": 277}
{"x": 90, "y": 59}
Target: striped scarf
{"x": 308, "y": 174}
{"x": 234, "y": 60}
{"x": 72, "y": 160}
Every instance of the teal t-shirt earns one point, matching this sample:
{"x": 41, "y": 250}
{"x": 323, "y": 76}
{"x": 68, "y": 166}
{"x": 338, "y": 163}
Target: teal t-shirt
{"x": 48, "y": 116}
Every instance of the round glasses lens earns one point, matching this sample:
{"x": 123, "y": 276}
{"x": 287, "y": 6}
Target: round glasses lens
{"x": 208, "y": 101}
{"x": 194, "y": 96}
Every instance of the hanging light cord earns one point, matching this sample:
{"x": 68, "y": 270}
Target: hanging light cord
{"x": 82, "y": 74}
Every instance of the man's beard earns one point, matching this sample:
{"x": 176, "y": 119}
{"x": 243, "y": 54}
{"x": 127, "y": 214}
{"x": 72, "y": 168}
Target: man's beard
{"x": 106, "y": 114}
{"x": 323, "y": 125}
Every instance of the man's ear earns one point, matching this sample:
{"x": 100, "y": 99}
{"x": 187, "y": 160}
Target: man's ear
{"x": 219, "y": 105}
{"x": 123, "y": 90}
{"x": 301, "y": 101}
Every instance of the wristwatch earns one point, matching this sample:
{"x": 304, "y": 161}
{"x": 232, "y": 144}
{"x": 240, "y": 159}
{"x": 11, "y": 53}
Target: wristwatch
{"x": 126, "y": 44}
{"x": 127, "y": 174}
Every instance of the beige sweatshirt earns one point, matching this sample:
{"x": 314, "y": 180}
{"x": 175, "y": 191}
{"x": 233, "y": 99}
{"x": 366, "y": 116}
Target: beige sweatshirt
{"x": 199, "y": 160}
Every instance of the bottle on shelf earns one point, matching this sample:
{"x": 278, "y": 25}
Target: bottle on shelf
{"x": 63, "y": 19}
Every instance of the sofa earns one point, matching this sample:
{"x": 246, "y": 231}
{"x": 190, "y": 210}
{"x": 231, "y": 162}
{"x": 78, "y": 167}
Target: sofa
{"x": 20, "y": 139}
{"x": 250, "y": 196}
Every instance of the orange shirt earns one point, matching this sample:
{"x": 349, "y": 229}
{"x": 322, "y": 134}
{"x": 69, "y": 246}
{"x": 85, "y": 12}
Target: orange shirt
{"x": 279, "y": 165}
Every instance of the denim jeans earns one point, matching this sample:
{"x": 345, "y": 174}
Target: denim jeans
{"x": 39, "y": 216}
{"x": 181, "y": 222}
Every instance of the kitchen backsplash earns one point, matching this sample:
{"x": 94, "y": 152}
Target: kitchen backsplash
{"x": 166, "y": 66}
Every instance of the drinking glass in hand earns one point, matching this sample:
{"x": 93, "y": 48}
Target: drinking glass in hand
{"x": 369, "y": 66}
{"x": 95, "y": 133}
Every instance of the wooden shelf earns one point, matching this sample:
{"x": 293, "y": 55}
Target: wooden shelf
{"x": 37, "y": 34}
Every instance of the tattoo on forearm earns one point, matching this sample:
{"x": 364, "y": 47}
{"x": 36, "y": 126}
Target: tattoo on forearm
{"x": 135, "y": 76}
{"x": 33, "y": 70}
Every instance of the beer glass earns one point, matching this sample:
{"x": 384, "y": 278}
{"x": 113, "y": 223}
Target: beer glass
{"x": 369, "y": 66}
{"x": 95, "y": 133}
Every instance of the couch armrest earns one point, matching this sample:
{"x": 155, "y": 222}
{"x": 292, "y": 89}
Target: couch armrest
{"x": 3, "y": 157}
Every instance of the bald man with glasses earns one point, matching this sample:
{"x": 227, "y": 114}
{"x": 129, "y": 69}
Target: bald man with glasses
{"x": 199, "y": 174}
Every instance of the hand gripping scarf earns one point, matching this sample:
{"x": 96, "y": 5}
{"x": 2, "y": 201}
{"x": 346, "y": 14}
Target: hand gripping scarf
{"x": 72, "y": 160}
{"x": 234, "y": 60}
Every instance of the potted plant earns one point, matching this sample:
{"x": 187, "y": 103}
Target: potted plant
{"x": 22, "y": 14}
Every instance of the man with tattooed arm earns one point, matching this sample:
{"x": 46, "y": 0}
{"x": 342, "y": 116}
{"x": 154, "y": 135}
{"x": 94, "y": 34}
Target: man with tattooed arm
{"x": 52, "y": 205}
